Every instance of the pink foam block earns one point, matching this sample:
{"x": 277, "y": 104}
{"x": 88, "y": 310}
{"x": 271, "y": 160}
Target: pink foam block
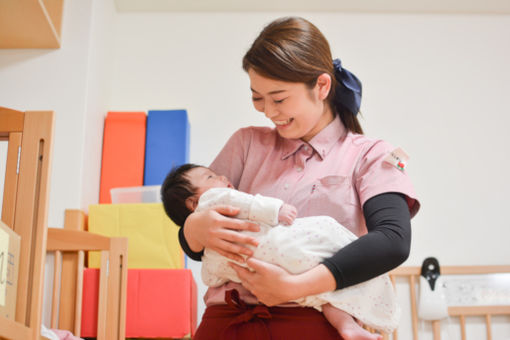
{"x": 161, "y": 303}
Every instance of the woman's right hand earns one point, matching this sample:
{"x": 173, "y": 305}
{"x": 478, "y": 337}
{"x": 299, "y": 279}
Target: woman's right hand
{"x": 217, "y": 229}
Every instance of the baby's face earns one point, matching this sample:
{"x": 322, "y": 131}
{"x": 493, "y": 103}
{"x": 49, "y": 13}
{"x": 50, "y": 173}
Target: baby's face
{"x": 205, "y": 179}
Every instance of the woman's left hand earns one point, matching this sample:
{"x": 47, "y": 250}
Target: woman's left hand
{"x": 271, "y": 284}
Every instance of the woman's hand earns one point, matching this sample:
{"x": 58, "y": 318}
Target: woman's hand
{"x": 216, "y": 229}
{"x": 273, "y": 285}
{"x": 266, "y": 282}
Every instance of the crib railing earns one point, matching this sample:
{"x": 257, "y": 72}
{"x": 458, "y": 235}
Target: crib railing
{"x": 411, "y": 275}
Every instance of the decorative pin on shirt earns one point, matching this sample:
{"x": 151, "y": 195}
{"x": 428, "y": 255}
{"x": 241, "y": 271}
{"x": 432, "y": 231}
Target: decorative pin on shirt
{"x": 397, "y": 158}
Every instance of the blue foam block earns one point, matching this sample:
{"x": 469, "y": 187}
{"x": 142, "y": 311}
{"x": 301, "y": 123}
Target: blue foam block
{"x": 167, "y": 143}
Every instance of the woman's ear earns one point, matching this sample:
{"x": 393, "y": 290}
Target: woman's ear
{"x": 323, "y": 85}
{"x": 191, "y": 203}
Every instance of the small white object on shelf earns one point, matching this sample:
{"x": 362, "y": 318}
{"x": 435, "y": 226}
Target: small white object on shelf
{"x": 141, "y": 194}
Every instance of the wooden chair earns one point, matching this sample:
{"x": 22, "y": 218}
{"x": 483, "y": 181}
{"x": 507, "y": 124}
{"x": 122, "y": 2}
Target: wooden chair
{"x": 24, "y": 209}
{"x": 412, "y": 274}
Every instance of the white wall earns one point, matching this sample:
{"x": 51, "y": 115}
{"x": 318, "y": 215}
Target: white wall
{"x": 434, "y": 84}
{"x": 99, "y": 77}
{"x": 55, "y": 79}
{"x": 73, "y": 81}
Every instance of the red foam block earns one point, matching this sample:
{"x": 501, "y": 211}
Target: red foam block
{"x": 123, "y": 157}
{"x": 161, "y": 303}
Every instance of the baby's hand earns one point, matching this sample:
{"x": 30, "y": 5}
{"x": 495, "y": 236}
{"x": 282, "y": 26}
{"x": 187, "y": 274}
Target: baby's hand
{"x": 287, "y": 214}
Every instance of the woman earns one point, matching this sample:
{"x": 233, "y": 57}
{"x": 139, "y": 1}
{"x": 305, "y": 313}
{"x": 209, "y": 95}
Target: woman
{"x": 316, "y": 159}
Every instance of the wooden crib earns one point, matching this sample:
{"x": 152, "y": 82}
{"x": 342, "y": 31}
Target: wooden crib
{"x": 24, "y": 209}
{"x": 410, "y": 276}
{"x": 69, "y": 246}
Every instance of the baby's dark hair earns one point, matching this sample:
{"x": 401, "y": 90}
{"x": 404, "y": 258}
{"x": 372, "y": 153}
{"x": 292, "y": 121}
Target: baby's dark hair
{"x": 175, "y": 190}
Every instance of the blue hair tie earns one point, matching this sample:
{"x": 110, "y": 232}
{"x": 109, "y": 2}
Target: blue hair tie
{"x": 348, "y": 89}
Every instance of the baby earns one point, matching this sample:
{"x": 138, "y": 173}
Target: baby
{"x": 298, "y": 247}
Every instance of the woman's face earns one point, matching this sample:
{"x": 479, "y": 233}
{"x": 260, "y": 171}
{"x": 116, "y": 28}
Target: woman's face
{"x": 297, "y": 111}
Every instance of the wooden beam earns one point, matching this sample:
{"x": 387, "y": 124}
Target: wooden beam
{"x": 74, "y": 240}
{"x": 478, "y": 310}
{"x": 10, "y": 121}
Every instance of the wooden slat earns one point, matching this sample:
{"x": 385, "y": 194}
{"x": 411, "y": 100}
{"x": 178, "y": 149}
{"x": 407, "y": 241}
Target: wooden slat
{"x": 79, "y": 293}
{"x": 395, "y": 332}
{"x": 117, "y": 290}
{"x": 75, "y": 219}
{"x": 69, "y": 295}
{"x": 488, "y": 325}
{"x": 462, "y": 320}
{"x": 414, "y": 309}
{"x": 67, "y": 292}
{"x": 436, "y": 329}
{"x": 121, "y": 250}
{"x": 55, "y": 301}
{"x": 103, "y": 296}
{"x": 113, "y": 295}
{"x": 11, "y": 178}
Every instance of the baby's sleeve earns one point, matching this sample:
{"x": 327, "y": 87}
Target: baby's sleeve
{"x": 265, "y": 209}
{"x": 256, "y": 208}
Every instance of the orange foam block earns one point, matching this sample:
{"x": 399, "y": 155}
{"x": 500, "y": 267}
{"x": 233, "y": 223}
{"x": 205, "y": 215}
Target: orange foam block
{"x": 161, "y": 303}
{"x": 123, "y": 152}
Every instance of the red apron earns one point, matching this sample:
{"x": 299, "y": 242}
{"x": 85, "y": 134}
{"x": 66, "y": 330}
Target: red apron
{"x": 237, "y": 320}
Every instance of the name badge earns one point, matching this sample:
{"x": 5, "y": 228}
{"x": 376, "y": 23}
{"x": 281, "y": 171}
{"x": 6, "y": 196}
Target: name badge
{"x": 397, "y": 158}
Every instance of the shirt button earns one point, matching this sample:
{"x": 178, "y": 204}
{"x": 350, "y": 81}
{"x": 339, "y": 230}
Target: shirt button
{"x": 299, "y": 169}
{"x": 306, "y": 148}
{"x": 286, "y": 186}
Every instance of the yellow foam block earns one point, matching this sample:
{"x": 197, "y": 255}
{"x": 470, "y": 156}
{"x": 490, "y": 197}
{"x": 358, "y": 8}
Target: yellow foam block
{"x": 153, "y": 237}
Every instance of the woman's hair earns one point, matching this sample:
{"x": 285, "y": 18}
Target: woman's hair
{"x": 175, "y": 190}
{"x": 292, "y": 49}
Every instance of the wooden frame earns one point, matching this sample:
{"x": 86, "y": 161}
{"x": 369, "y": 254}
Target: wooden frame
{"x": 25, "y": 208}
{"x": 112, "y": 282}
{"x": 412, "y": 274}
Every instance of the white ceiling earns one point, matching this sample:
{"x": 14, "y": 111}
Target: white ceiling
{"x": 381, "y": 6}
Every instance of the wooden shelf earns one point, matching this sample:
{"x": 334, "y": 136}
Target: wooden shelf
{"x": 30, "y": 23}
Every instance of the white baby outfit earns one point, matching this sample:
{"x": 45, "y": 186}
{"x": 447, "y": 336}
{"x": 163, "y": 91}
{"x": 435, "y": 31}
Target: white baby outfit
{"x": 298, "y": 248}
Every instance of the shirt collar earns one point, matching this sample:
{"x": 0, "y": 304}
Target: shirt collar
{"x": 322, "y": 143}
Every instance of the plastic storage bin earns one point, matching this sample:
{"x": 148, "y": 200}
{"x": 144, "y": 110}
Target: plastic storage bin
{"x": 142, "y": 194}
